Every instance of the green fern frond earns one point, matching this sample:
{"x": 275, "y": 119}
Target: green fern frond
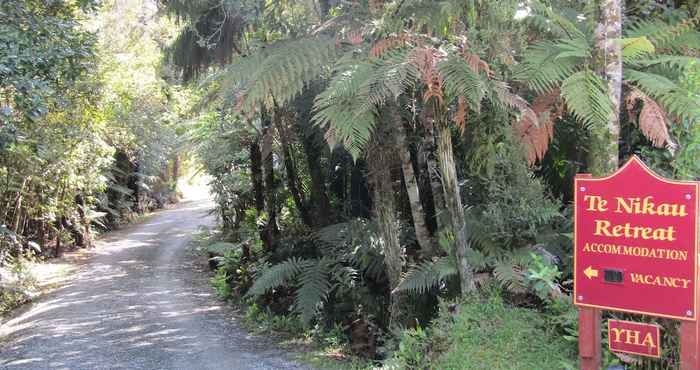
{"x": 348, "y": 108}
{"x": 393, "y": 75}
{"x": 664, "y": 35}
{"x": 427, "y": 275}
{"x": 545, "y": 66}
{"x": 477, "y": 260}
{"x": 586, "y": 96}
{"x": 220, "y": 248}
{"x": 679, "y": 62}
{"x": 460, "y": 80}
{"x": 280, "y": 71}
{"x": 510, "y": 274}
{"x": 479, "y": 235}
{"x": 354, "y": 243}
{"x": 634, "y": 48}
{"x": 548, "y": 20}
{"x": 277, "y": 275}
{"x": 348, "y": 119}
{"x": 314, "y": 287}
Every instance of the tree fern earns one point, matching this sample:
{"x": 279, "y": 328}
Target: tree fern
{"x": 348, "y": 108}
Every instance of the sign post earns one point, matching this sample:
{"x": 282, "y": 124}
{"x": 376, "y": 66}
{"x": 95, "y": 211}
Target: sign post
{"x": 636, "y": 237}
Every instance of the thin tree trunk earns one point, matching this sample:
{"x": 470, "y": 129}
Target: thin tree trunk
{"x": 256, "y": 174}
{"x": 423, "y": 236}
{"x": 270, "y": 186}
{"x": 59, "y": 233}
{"x": 240, "y": 215}
{"x": 319, "y": 198}
{"x": 604, "y": 152}
{"x": 84, "y": 220}
{"x": 18, "y": 207}
{"x": 314, "y": 146}
{"x": 388, "y": 227}
{"x": 290, "y": 168}
{"x": 453, "y": 204}
{"x": 176, "y": 169}
{"x": 359, "y": 192}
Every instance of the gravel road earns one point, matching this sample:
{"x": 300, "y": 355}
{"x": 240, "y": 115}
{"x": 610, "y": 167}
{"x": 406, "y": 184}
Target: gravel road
{"x": 138, "y": 303}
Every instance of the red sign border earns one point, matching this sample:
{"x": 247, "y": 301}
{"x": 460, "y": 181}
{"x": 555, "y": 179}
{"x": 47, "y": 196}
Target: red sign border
{"x": 696, "y": 258}
{"x": 658, "y": 337}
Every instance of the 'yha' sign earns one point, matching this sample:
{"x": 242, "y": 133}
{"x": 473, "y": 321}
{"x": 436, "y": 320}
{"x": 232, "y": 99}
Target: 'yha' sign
{"x": 634, "y": 338}
{"x": 636, "y": 243}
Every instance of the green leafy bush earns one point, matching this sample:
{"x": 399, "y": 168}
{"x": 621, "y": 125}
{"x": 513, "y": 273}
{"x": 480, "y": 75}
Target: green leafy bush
{"x": 482, "y": 333}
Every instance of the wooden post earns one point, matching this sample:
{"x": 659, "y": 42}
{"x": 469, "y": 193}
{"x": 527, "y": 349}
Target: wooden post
{"x": 690, "y": 333}
{"x": 690, "y": 345}
{"x": 690, "y": 338}
{"x": 589, "y": 338}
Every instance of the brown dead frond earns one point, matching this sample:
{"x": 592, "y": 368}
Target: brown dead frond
{"x": 354, "y": 37}
{"x": 476, "y": 64}
{"x": 535, "y": 128}
{"x": 391, "y": 42}
{"x": 426, "y": 60}
{"x": 460, "y": 116}
{"x": 653, "y": 120}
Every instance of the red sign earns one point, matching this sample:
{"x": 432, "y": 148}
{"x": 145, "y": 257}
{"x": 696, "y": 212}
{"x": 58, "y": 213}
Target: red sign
{"x": 636, "y": 243}
{"x": 634, "y": 337}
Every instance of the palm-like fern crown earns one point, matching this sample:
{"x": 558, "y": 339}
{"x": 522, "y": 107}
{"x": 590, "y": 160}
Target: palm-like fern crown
{"x": 364, "y": 80}
{"x": 652, "y": 71}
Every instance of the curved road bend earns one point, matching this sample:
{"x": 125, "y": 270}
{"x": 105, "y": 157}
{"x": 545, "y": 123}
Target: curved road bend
{"x": 138, "y": 304}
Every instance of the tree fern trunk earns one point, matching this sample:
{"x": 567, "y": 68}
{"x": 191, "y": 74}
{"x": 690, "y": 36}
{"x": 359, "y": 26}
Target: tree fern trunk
{"x": 423, "y": 235}
{"x": 388, "y": 227}
{"x": 429, "y": 150}
{"x": 453, "y": 203}
{"x": 604, "y": 151}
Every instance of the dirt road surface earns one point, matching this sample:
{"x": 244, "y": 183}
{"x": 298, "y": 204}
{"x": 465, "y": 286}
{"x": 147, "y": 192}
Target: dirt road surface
{"x": 138, "y": 303}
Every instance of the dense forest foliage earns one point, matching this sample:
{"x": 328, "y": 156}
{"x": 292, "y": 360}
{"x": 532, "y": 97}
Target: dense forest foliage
{"x": 90, "y": 129}
{"x": 376, "y": 165}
